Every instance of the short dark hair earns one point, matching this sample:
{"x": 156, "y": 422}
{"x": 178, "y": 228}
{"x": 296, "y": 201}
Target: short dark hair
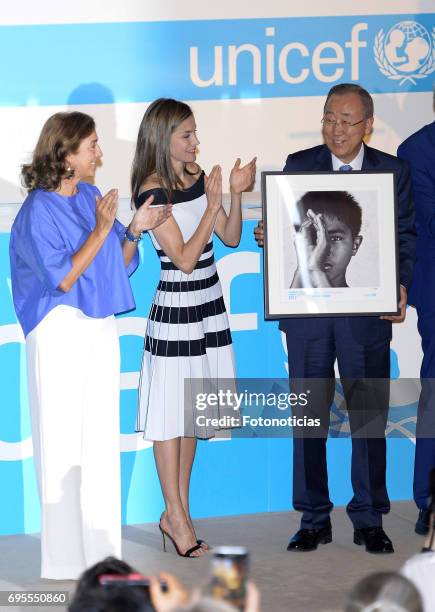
{"x": 60, "y": 136}
{"x": 340, "y": 204}
{"x": 345, "y": 88}
{"x": 91, "y": 596}
{"x": 112, "y": 599}
{"x": 90, "y": 578}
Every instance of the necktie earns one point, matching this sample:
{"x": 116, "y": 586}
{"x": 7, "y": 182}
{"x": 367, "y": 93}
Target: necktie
{"x": 345, "y": 168}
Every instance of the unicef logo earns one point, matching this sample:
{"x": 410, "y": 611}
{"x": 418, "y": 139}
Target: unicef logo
{"x": 406, "y": 53}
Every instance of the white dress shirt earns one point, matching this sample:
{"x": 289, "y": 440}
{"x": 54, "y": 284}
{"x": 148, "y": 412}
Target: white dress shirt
{"x": 356, "y": 163}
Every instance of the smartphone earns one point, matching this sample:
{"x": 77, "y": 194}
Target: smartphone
{"x": 230, "y": 568}
{"x": 133, "y": 579}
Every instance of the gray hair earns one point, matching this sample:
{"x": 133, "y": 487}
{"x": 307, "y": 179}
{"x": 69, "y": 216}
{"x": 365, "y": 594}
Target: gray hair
{"x": 384, "y": 592}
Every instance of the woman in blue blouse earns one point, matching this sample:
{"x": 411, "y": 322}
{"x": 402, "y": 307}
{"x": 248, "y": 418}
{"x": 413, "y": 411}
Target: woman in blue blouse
{"x": 70, "y": 261}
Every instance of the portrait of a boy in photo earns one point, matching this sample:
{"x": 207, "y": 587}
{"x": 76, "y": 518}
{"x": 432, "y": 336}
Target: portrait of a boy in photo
{"x": 327, "y": 236}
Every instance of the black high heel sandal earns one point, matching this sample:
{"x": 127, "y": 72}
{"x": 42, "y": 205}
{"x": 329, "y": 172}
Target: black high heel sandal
{"x": 188, "y": 552}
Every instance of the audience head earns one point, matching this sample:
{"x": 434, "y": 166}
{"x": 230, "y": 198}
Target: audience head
{"x": 60, "y": 137}
{"x": 90, "y": 596}
{"x": 384, "y": 592}
{"x": 90, "y": 578}
{"x": 112, "y": 599}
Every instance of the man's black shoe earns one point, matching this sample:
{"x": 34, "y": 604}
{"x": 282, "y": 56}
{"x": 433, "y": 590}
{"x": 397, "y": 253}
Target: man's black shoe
{"x": 422, "y": 524}
{"x": 375, "y": 539}
{"x": 308, "y": 539}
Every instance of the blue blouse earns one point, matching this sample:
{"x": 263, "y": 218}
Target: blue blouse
{"x": 47, "y": 231}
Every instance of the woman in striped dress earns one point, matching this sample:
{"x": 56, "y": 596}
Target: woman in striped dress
{"x": 188, "y": 336}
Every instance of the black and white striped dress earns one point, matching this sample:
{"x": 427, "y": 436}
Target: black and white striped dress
{"x": 188, "y": 340}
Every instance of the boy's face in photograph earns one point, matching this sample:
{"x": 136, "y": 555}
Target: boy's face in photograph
{"x": 342, "y": 247}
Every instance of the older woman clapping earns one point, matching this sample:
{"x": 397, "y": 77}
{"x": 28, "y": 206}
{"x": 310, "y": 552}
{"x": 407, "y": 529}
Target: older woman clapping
{"x": 70, "y": 261}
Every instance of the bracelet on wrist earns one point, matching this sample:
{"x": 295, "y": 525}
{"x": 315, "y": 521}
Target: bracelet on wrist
{"x": 132, "y": 237}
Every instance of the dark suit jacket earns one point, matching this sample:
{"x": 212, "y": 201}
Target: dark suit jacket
{"x": 419, "y": 151}
{"x": 366, "y": 330}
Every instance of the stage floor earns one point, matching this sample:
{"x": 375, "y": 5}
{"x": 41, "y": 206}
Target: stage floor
{"x": 301, "y": 582}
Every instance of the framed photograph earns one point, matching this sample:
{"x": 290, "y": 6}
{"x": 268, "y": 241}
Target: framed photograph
{"x": 330, "y": 244}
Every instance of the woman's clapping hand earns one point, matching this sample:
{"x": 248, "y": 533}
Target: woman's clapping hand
{"x": 148, "y": 217}
{"x": 242, "y": 178}
{"x": 213, "y": 189}
{"x": 105, "y": 212}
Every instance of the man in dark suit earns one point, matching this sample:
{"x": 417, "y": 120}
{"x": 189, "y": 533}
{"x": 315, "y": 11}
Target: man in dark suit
{"x": 419, "y": 151}
{"x": 361, "y": 346}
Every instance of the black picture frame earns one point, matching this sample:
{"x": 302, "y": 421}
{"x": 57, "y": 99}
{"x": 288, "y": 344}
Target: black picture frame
{"x": 310, "y": 258}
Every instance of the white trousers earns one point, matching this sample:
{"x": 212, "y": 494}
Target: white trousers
{"x": 73, "y": 367}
